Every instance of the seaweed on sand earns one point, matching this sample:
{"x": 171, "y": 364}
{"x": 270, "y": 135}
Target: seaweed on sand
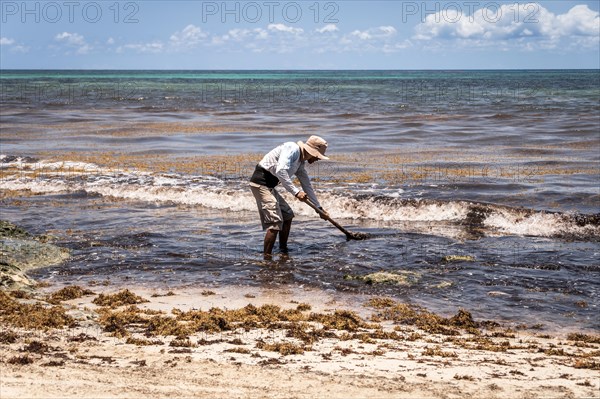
{"x": 21, "y": 360}
{"x": 8, "y": 337}
{"x": 37, "y": 347}
{"x": 238, "y": 350}
{"x": 68, "y": 293}
{"x": 116, "y": 322}
{"x": 590, "y": 339}
{"x": 307, "y": 328}
{"x": 284, "y": 348}
{"x": 307, "y": 333}
{"x": 32, "y": 316}
{"x": 143, "y": 341}
{"x": 182, "y": 324}
{"x": 303, "y": 307}
{"x": 182, "y": 343}
{"x": 586, "y": 364}
{"x": 437, "y": 351}
{"x": 340, "y": 320}
{"x": 124, "y": 297}
{"x": 401, "y": 313}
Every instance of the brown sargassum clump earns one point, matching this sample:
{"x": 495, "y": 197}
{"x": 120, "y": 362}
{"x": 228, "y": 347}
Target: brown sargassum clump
{"x": 182, "y": 324}
{"x": 68, "y": 293}
{"x": 303, "y": 326}
{"x": 401, "y": 313}
{"x": 121, "y": 298}
{"x": 37, "y": 316}
{"x": 119, "y": 315}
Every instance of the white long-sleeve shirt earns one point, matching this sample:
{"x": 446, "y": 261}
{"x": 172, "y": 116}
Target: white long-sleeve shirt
{"x": 284, "y": 162}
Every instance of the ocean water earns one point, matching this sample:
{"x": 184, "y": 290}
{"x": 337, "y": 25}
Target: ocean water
{"x": 143, "y": 174}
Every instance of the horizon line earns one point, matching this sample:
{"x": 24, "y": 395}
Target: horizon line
{"x": 303, "y": 69}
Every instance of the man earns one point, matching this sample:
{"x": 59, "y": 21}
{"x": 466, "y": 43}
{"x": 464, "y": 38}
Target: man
{"x": 278, "y": 166}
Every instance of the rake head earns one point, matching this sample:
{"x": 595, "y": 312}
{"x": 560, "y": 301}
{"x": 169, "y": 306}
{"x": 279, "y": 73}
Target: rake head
{"x": 357, "y": 236}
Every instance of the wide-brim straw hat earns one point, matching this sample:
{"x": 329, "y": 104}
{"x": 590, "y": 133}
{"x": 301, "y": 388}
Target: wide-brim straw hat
{"x": 315, "y": 146}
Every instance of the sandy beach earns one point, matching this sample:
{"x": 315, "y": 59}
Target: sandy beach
{"x": 272, "y": 343}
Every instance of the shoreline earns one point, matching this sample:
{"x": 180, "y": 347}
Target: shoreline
{"x": 284, "y": 346}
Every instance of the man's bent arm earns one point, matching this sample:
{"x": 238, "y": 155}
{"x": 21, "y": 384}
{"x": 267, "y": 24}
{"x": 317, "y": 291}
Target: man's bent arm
{"x": 283, "y": 167}
{"x": 306, "y": 185}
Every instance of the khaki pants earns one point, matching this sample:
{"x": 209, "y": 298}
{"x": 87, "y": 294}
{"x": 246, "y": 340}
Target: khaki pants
{"x": 272, "y": 207}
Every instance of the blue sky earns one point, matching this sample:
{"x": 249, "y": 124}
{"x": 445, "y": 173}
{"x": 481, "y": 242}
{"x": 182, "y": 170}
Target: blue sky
{"x": 299, "y": 34}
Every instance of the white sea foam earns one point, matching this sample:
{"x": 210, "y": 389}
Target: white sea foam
{"x": 370, "y": 208}
{"x": 211, "y": 192}
{"x": 24, "y": 164}
{"x": 134, "y": 188}
{"x": 540, "y": 224}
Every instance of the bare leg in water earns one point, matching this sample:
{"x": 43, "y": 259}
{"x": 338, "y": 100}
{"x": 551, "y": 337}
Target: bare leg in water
{"x": 284, "y": 234}
{"x": 271, "y": 237}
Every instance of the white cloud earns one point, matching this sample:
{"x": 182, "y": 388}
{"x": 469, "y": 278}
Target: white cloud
{"x": 520, "y": 23}
{"x": 84, "y": 49}
{"x": 375, "y": 33}
{"x": 189, "y": 37}
{"x": 377, "y": 39}
{"x": 19, "y": 49}
{"x": 110, "y": 41}
{"x": 246, "y": 34}
{"x": 5, "y": 41}
{"x": 74, "y": 40}
{"x": 273, "y": 38}
{"x": 328, "y": 28}
{"x": 364, "y": 35}
{"x": 285, "y": 28}
{"x": 12, "y": 45}
{"x": 255, "y": 40}
{"x": 153, "y": 47}
{"x": 395, "y": 47}
{"x": 580, "y": 20}
{"x": 387, "y": 30}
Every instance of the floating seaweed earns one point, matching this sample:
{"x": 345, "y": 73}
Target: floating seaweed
{"x": 399, "y": 278}
{"x": 458, "y": 258}
{"x": 8, "y": 229}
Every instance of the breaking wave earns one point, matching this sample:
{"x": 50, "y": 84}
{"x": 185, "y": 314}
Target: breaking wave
{"x": 45, "y": 177}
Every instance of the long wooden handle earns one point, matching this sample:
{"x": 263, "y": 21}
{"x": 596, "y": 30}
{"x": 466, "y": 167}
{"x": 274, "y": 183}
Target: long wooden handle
{"x": 333, "y": 222}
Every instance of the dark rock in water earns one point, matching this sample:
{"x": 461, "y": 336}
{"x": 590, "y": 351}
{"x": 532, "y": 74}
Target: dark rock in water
{"x": 30, "y": 254}
{"x": 7, "y": 229}
{"x": 19, "y": 252}
{"x": 14, "y": 158}
{"x": 11, "y": 277}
